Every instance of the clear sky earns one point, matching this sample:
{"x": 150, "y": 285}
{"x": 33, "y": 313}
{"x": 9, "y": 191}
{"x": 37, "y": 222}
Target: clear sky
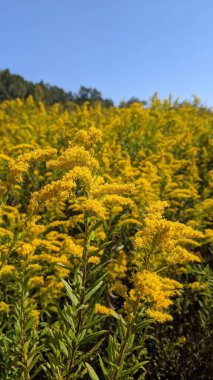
{"x": 124, "y": 48}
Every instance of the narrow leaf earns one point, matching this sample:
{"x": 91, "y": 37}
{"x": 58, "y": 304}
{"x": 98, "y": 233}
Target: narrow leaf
{"x": 89, "y": 353}
{"x": 133, "y": 369}
{"x": 105, "y": 372}
{"x": 70, "y": 293}
{"x": 92, "y": 373}
{"x": 90, "y": 338}
{"x": 92, "y": 291}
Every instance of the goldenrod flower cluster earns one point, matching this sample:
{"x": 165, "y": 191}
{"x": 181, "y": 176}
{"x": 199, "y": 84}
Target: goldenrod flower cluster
{"x": 18, "y": 167}
{"x": 165, "y": 238}
{"x": 101, "y": 309}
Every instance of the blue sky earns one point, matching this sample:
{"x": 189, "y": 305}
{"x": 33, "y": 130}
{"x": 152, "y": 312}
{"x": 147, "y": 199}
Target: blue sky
{"x": 124, "y": 48}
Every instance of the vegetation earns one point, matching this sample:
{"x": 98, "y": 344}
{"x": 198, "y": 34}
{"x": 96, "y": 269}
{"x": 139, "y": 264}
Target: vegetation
{"x": 106, "y": 240}
{"x": 15, "y": 86}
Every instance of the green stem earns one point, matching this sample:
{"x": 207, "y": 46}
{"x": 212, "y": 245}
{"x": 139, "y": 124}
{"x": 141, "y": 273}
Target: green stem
{"x": 82, "y": 297}
{"x": 23, "y": 336}
{"x": 121, "y": 356}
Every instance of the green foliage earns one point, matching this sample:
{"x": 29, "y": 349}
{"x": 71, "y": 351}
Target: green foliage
{"x": 15, "y": 86}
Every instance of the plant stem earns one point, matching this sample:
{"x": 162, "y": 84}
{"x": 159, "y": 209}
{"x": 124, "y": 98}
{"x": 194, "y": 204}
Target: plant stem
{"x": 23, "y": 335}
{"x": 121, "y": 356}
{"x": 80, "y": 316}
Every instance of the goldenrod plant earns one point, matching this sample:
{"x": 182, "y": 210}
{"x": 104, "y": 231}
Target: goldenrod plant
{"x": 106, "y": 241}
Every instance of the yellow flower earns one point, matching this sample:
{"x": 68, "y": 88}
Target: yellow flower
{"x": 25, "y": 249}
{"x": 82, "y": 176}
{"x": 165, "y": 237}
{"x": 155, "y": 289}
{"x": 101, "y": 235}
{"x": 89, "y": 138}
{"x": 112, "y": 188}
{"x": 35, "y": 314}
{"x": 55, "y": 189}
{"x": 21, "y": 146}
{"x": 35, "y": 267}
{"x": 118, "y": 267}
{"x": 34, "y": 229}
{"x": 74, "y": 156}
{"x": 159, "y": 316}
{"x": 20, "y": 166}
{"x": 120, "y": 289}
{"x": 94, "y": 207}
{"x": 36, "y": 281}
{"x": 114, "y": 199}
{"x": 7, "y": 269}
{"x": 70, "y": 248}
{"x": 138, "y": 242}
{"x": 101, "y": 309}
{"x": 130, "y": 301}
{"x": 180, "y": 255}
{"x": 4, "y": 307}
{"x": 94, "y": 259}
{"x": 209, "y": 235}
{"x": 182, "y": 339}
{"x": 196, "y": 286}
{"x": 4, "y": 232}
{"x": 155, "y": 209}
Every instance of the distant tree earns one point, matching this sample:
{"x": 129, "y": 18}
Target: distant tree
{"x": 132, "y": 100}
{"x": 87, "y": 94}
{"x": 91, "y": 95}
{"x": 12, "y": 86}
{"x": 15, "y": 86}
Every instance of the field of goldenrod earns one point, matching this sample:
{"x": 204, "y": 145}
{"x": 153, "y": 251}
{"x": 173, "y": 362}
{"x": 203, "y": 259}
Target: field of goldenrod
{"x": 106, "y": 241}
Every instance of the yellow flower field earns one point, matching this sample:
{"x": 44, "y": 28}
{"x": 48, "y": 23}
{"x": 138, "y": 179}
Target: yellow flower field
{"x": 106, "y": 240}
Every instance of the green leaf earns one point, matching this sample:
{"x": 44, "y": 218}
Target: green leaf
{"x": 122, "y": 329}
{"x": 76, "y": 375}
{"x": 63, "y": 348}
{"x": 92, "y": 373}
{"x": 80, "y": 337}
{"x": 96, "y": 320}
{"x": 33, "y": 362}
{"x": 118, "y": 317}
{"x": 36, "y": 372}
{"x": 140, "y": 326}
{"x": 130, "y": 342}
{"x": 92, "y": 236}
{"x": 67, "y": 319}
{"x": 105, "y": 372}
{"x": 70, "y": 293}
{"x": 26, "y": 347}
{"x": 63, "y": 266}
{"x": 112, "y": 348}
{"x": 89, "y": 353}
{"x": 133, "y": 369}
{"x": 95, "y": 269}
{"x": 92, "y": 291}
{"x": 29, "y": 324}
{"x": 90, "y": 338}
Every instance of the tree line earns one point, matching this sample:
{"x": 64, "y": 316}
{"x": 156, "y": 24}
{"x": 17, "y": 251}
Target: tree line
{"x": 14, "y": 86}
